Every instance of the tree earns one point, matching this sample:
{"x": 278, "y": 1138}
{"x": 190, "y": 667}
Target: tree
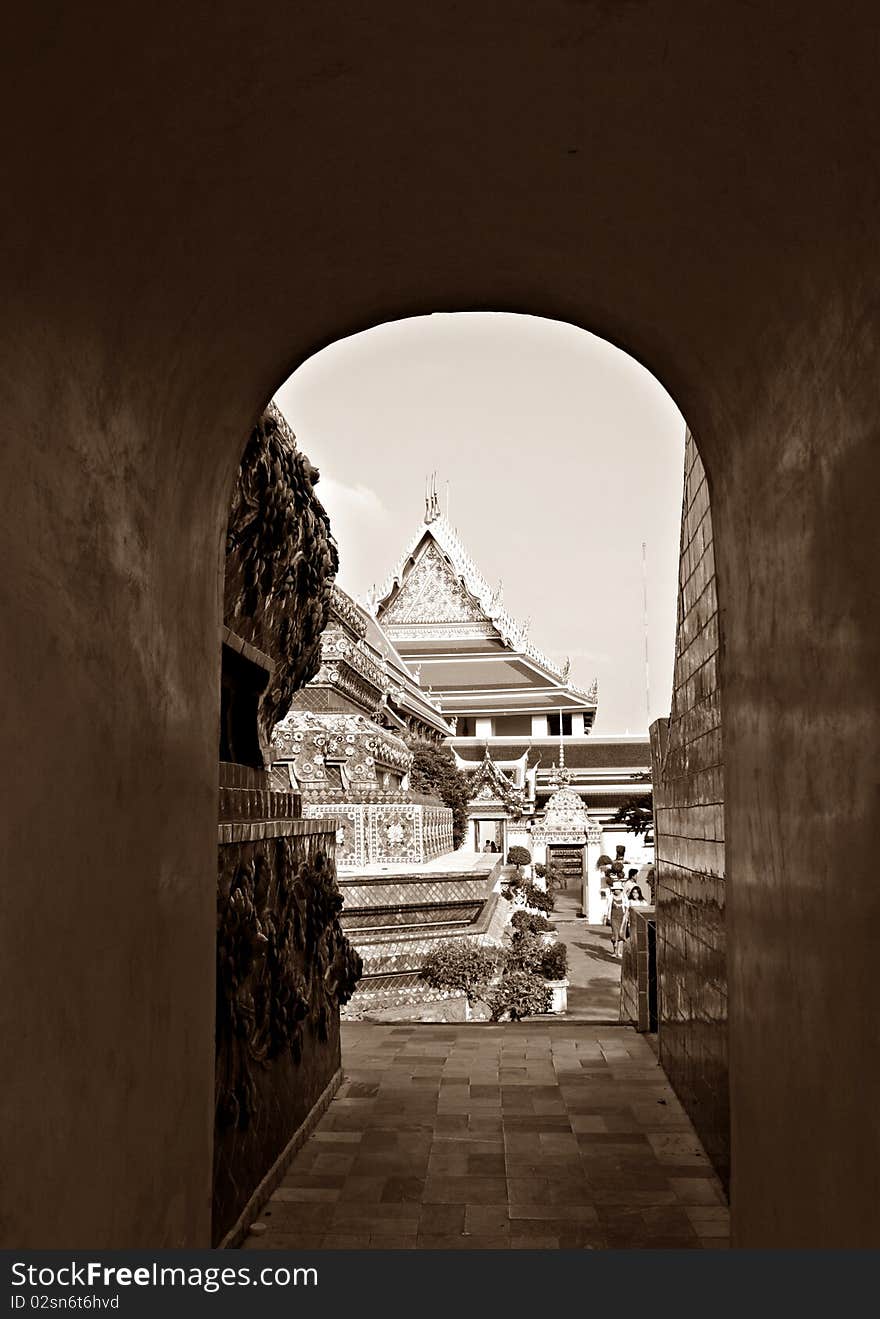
{"x": 637, "y": 811}
{"x": 435, "y": 773}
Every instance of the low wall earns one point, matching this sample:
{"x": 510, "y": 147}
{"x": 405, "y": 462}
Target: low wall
{"x": 284, "y": 967}
{"x": 386, "y": 833}
{"x": 638, "y": 974}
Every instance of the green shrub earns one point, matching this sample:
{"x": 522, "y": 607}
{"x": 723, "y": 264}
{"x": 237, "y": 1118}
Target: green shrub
{"x": 523, "y": 953}
{"x": 463, "y": 967}
{"x": 536, "y": 897}
{"x": 527, "y": 922}
{"x": 521, "y": 993}
{"x": 554, "y": 962}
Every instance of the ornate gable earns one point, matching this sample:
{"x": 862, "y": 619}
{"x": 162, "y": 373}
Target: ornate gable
{"x": 432, "y": 593}
{"x": 491, "y": 784}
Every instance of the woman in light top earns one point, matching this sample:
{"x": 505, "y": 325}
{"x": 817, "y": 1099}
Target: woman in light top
{"x": 618, "y": 912}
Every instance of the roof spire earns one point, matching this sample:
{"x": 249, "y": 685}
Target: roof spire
{"x": 432, "y": 503}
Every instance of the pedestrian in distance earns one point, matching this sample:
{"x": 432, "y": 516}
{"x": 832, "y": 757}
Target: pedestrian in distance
{"x": 618, "y": 916}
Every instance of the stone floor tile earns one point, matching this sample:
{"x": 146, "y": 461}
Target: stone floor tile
{"x": 363, "y": 1189}
{"x": 527, "y": 1190}
{"x": 285, "y": 1241}
{"x": 304, "y": 1194}
{"x": 485, "y": 1165}
{"x": 464, "y": 1190}
{"x": 401, "y": 1189}
{"x": 335, "y": 1163}
{"x": 313, "y": 1179}
{"x": 442, "y": 1219}
{"x": 533, "y": 1243}
{"x": 697, "y": 1190}
{"x": 487, "y": 1220}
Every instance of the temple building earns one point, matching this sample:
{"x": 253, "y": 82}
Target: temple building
{"x": 342, "y": 745}
{"x": 522, "y": 728}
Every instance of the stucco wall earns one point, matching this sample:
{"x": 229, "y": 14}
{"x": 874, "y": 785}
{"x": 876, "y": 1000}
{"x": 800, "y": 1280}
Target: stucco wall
{"x": 688, "y": 775}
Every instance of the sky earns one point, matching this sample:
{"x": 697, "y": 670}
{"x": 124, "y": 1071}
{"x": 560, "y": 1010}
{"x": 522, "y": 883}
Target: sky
{"x": 563, "y": 455}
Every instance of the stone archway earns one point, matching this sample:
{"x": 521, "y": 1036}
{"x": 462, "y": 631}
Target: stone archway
{"x": 213, "y": 202}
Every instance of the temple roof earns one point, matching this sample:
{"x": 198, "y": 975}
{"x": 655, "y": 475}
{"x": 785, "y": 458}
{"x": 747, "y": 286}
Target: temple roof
{"x": 402, "y": 687}
{"x": 596, "y": 753}
{"x": 447, "y": 588}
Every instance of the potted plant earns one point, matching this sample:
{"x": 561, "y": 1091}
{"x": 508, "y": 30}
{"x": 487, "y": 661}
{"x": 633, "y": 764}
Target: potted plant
{"x": 458, "y": 966}
{"x": 519, "y": 993}
{"x": 553, "y": 967}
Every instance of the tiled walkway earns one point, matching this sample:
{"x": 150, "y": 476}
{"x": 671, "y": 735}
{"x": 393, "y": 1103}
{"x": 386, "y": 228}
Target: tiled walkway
{"x": 522, "y": 1136}
{"x": 593, "y": 970}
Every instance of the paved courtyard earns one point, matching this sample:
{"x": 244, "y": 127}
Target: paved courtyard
{"x": 541, "y": 1135}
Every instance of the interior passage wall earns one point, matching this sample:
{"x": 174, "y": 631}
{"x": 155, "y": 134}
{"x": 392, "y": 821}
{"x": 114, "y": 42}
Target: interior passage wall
{"x": 688, "y": 771}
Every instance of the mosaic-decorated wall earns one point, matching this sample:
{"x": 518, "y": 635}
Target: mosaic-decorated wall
{"x": 386, "y": 833}
{"x": 688, "y": 775}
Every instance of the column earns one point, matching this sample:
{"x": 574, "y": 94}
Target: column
{"x": 539, "y": 725}
{"x": 594, "y": 906}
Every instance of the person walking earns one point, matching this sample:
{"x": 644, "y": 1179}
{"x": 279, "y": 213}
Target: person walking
{"x": 618, "y": 915}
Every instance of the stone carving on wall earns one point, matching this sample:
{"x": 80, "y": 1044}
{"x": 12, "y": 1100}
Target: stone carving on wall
{"x": 280, "y": 562}
{"x": 283, "y": 963}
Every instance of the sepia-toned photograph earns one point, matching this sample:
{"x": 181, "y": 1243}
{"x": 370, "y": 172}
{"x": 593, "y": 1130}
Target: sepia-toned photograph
{"x": 440, "y": 647}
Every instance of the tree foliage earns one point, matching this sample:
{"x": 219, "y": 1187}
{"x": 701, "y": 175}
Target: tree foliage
{"x": 462, "y": 967}
{"x": 435, "y": 772}
{"x": 637, "y": 811}
{"x": 520, "y": 993}
{"x": 637, "y": 814}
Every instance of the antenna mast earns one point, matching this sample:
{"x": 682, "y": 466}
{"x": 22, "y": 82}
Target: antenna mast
{"x": 645, "y": 618}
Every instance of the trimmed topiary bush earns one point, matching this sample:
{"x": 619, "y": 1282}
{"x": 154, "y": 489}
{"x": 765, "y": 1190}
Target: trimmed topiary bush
{"x": 459, "y": 966}
{"x": 519, "y": 857}
{"x": 520, "y": 993}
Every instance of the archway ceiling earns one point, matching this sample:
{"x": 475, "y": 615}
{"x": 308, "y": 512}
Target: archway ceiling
{"x": 230, "y": 190}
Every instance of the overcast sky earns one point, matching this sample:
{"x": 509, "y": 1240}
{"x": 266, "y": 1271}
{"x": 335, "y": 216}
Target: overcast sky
{"x": 562, "y": 455}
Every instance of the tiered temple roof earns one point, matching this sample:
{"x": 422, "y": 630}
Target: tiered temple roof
{"x": 445, "y": 619}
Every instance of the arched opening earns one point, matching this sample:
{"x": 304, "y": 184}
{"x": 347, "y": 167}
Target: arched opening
{"x": 565, "y": 463}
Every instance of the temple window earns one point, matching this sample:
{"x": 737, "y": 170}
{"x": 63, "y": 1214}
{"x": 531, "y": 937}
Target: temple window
{"x": 553, "y": 725}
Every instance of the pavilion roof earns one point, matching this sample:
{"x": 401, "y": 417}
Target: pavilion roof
{"x": 514, "y": 634}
